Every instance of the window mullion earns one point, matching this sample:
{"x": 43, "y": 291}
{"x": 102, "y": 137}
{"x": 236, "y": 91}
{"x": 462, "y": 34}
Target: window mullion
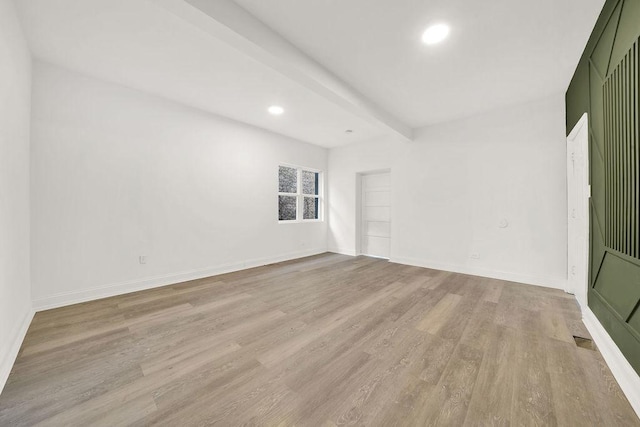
{"x": 300, "y": 198}
{"x": 300, "y": 195}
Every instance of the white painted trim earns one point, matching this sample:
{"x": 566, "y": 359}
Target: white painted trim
{"x": 343, "y": 251}
{"x": 306, "y": 168}
{"x": 578, "y": 126}
{"x": 360, "y": 211}
{"x": 376, "y": 256}
{"x": 300, "y": 221}
{"x": 13, "y": 348}
{"x": 493, "y": 274}
{"x": 622, "y": 370}
{"x": 300, "y": 195}
{"x": 76, "y": 297}
{"x": 579, "y": 288}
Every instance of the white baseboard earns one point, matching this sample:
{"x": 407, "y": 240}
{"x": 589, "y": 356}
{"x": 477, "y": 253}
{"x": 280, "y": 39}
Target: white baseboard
{"x": 620, "y": 368}
{"x": 75, "y": 297}
{"x": 342, "y": 251}
{"x": 9, "y": 358}
{"x": 476, "y": 271}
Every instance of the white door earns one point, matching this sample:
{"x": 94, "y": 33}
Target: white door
{"x": 578, "y": 210}
{"x": 376, "y": 214}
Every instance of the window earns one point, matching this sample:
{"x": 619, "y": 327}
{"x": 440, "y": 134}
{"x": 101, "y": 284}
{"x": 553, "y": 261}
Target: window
{"x": 299, "y": 194}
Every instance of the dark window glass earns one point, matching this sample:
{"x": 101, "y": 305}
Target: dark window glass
{"x": 288, "y": 179}
{"x": 287, "y": 207}
{"x": 310, "y": 182}
{"x": 310, "y": 208}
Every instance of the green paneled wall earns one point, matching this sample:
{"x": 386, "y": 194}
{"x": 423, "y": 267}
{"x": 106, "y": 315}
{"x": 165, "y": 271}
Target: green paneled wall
{"x": 611, "y": 59}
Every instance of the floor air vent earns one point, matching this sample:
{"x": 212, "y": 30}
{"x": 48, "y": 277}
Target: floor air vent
{"x": 584, "y": 343}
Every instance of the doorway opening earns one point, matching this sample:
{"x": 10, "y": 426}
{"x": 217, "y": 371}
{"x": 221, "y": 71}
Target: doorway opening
{"x": 374, "y": 214}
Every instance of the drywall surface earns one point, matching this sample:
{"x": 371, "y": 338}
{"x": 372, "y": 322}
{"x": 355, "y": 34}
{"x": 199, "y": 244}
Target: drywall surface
{"x": 15, "y": 104}
{"x": 118, "y": 174}
{"x": 485, "y": 195}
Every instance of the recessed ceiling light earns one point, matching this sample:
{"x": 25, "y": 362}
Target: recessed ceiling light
{"x": 276, "y": 110}
{"x": 435, "y": 33}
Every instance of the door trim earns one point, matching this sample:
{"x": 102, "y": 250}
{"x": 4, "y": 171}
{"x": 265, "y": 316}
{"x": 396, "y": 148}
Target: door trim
{"x": 582, "y": 297}
{"x": 358, "y": 210}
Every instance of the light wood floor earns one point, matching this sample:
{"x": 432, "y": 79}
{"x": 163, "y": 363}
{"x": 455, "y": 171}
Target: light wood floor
{"x": 327, "y": 340}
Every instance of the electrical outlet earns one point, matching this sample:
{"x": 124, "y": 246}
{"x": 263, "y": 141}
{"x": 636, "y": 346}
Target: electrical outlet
{"x": 474, "y": 255}
{"x": 143, "y": 259}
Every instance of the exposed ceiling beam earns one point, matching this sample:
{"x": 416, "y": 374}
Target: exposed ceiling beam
{"x": 227, "y": 21}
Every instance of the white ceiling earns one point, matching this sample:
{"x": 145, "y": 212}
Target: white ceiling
{"x": 500, "y": 52}
{"x": 332, "y": 64}
{"x": 141, "y": 45}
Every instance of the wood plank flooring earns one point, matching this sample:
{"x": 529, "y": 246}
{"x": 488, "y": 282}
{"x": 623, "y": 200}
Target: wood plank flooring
{"x": 328, "y": 340}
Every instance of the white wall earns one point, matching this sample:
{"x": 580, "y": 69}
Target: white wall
{"x": 453, "y": 185}
{"x": 15, "y": 105}
{"x": 118, "y": 174}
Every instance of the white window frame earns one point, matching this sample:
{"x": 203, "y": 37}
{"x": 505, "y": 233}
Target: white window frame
{"x": 300, "y": 196}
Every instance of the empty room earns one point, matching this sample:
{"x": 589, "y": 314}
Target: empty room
{"x": 319, "y": 213}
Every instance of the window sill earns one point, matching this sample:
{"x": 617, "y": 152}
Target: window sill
{"x": 303, "y": 221}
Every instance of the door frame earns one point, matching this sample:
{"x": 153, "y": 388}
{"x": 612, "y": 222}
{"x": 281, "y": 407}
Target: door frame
{"x": 581, "y": 131}
{"x": 359, "y": 176}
